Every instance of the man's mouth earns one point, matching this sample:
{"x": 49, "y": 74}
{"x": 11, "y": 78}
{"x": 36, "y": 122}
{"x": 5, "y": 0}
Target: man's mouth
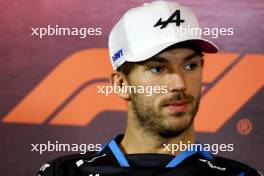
{"x": 178, "y": 106}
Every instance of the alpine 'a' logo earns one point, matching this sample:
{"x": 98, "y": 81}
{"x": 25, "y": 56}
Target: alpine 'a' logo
{"x": 177, "y": 21}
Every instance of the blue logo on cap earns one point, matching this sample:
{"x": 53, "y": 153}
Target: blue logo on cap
{"x": 117, "y": 55}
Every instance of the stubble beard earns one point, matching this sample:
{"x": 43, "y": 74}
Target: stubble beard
{"x": 152, "y": 122}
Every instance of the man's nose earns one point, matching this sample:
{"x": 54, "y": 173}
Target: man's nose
{"x": 176, "y": 83}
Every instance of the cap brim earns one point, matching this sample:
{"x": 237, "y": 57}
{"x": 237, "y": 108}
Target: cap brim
{"x": 205, "y": 45}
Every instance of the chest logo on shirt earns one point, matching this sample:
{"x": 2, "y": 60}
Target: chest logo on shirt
{"x": 212, "y": 166}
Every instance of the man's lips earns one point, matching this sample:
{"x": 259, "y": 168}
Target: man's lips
{"x": 178, "y": 106}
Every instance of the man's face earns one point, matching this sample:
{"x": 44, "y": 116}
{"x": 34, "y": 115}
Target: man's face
{"x": 168, "y": 114}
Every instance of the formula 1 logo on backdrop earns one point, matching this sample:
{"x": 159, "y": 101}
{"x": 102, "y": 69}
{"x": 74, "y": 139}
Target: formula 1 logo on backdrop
{"x": 67, "y": 96}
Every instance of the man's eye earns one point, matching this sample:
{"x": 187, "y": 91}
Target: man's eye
{"x": 190, "y": 66}
{"x": 157, "y": 69}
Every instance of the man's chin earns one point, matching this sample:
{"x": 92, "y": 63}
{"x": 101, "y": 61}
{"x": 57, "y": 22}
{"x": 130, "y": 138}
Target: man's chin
{"x": 177, "y": 117}
{"x": 177, "y": 122}
{"x": 170, "y": 132}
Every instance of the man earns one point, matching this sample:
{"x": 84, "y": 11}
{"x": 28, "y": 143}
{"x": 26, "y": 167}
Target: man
{"x": 146, "y": 49}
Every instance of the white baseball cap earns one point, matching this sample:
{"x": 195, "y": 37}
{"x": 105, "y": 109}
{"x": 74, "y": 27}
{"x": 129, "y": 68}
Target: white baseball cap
{"x": 146, "y": 30}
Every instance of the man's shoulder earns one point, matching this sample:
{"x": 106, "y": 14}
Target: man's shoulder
{"x": 63, "y": 164}
{"x": 236, "y": 165}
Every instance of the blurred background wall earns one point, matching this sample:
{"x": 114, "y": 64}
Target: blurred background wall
{"x": 45, "y": 97}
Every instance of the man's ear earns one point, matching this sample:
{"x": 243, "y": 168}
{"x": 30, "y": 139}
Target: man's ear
{"x": 120, "y": 80}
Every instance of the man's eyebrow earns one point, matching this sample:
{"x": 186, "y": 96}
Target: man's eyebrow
{"x": 186, "y": 58}
{"x": 159, "y": 59}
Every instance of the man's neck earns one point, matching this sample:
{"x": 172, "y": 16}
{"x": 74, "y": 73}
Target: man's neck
{"x": 137, "y": 140}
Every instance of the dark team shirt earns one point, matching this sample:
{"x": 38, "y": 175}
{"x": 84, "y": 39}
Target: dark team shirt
{"x": 110, "y": 161}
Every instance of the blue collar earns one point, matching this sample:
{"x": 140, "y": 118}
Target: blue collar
{"x": 120, "y": 157}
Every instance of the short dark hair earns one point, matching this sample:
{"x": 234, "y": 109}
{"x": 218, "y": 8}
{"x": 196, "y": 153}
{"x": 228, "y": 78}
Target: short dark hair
{"x": 127, "y": 67}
